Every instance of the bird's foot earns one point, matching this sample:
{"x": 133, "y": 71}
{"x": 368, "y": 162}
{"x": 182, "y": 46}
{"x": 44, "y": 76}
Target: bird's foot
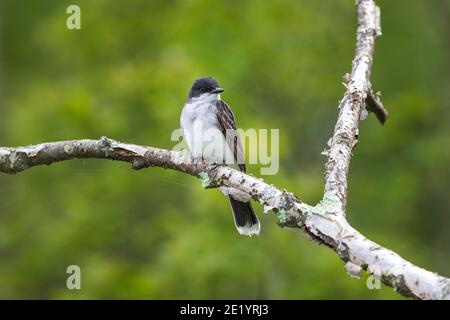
{"x": 215, "y": 165}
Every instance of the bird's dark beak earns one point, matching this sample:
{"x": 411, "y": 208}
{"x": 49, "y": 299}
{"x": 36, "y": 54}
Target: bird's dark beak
{"x": 217, "y": 90}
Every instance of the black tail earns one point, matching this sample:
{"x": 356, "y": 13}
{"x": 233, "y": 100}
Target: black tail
{"x": 245, "y": 218}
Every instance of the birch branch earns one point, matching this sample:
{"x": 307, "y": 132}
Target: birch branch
{"x": 345, "y": 134}
{"x": 325, "y": 223}
{"x": 321, "y": 222}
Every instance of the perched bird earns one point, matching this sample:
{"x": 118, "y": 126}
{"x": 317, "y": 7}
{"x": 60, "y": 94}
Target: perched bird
{"x": 209, "y": 130}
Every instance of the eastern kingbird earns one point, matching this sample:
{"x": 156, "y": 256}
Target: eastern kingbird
{"x": 210, "y": 132}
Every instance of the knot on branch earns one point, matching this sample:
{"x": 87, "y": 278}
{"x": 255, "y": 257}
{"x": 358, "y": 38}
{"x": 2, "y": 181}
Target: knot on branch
{"x": 105, "y": 144}
{"x": 288, "y": 212}
{"x": 139, "y": 163}
{"x": 16, "y": 161}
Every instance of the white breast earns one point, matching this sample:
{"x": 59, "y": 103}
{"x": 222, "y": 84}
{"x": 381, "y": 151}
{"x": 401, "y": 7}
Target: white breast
{"x": 202, "y": 132}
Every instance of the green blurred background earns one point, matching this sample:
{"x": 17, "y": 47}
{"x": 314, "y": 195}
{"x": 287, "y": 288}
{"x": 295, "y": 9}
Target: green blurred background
{"x": 156, "y": 233}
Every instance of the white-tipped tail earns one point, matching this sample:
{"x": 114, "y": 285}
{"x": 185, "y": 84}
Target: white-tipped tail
{"x": 245, "y": 219}
{"x": 249, "y": 230}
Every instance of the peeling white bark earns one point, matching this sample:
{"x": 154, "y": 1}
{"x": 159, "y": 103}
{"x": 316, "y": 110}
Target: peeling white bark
{"x": 339, "y": 150}
{"x": 325, "y": 223}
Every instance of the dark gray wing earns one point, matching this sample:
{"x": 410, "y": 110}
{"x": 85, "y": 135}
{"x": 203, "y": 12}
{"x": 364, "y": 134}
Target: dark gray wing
{"x": 245, "y": 218}
{"x": 228, "y": 127}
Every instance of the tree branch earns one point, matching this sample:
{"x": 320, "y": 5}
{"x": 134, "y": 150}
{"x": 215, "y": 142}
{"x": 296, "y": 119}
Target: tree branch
{"x": 321, "y": 222}
{"x": 14, "y": 160}
{"x": 344, "y": 138}
{"x": 325, "y": 223}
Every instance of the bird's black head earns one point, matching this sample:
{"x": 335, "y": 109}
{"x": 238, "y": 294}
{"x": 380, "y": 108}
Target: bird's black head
{"x": 204, "y": 85}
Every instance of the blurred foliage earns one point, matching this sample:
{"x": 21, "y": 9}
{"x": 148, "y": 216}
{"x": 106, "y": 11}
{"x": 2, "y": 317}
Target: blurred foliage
{"x": 156, "y": 233}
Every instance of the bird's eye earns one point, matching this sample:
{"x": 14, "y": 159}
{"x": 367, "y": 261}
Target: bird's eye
{"x": 202, "y": 89}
